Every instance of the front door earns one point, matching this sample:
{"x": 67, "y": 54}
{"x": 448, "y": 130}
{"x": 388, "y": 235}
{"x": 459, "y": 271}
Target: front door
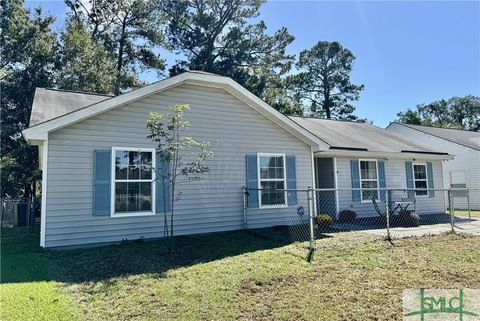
{"x": 325, "y": 178}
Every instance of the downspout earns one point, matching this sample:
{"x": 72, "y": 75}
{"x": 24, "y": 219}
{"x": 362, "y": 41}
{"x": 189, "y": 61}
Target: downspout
{"x": 313, "y": 181}
{"x": 43, "y": 209}
{"x": 335, "y": 179}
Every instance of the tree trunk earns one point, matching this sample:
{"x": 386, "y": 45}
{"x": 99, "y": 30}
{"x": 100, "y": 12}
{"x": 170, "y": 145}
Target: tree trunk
{"x": 327, "y": 106}
{"x": 121, "y": 46}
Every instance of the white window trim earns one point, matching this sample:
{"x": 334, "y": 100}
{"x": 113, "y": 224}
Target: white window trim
{"x": 368, "y": 179}
{"x": 112, "y": 204}
{"x": 426, "y": 178}
{"x": 259, "y": 155}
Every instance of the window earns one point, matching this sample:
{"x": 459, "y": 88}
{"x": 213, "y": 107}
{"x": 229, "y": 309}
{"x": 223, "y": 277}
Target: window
{"x": 420, "y": 179}
{"x": 458, "y": 181}
{"x": 133, "y": 187}
{"x": 271, "y": 179}
{"x": 368, "y": 179}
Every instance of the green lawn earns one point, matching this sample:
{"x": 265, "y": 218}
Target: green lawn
{"x": 473, "y": 213}
{"x": 233, "y": 275}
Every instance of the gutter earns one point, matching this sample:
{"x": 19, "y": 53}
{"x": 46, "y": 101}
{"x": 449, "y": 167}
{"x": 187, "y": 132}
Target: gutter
{"x": 407, "y": 155}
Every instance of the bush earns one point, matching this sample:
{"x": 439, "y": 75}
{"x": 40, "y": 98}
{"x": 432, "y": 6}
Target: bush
{"x": 324, "y": 220}
{"x": 408, "y": 219}
{"x": 347, "y": 216}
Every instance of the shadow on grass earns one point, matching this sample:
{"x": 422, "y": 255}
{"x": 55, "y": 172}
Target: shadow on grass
{"x": 24, "y": 261}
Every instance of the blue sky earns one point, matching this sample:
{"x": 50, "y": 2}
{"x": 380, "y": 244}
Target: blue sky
{"x": 407, "y": 52}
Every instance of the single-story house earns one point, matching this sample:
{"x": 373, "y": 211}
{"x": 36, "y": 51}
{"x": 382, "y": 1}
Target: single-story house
{"x": 464, "y": 170}
{"x": 93, "y": 148}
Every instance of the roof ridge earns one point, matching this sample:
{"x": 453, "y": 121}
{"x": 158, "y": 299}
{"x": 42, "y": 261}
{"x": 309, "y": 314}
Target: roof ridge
{"x": 330, "y": 119}
{"x": 430, "y": 126}
{"x": 76, "y": 92}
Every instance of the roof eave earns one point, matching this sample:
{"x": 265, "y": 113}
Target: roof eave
{"x": 384, "y": 155}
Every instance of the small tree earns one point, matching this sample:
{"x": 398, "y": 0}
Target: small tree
{"x": 185, "y": 156}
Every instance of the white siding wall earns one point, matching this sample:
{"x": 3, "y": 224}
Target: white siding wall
{"x": 395, "y": 177}
{"x": 212, "y": 204}
{"x": 466, "y": 159}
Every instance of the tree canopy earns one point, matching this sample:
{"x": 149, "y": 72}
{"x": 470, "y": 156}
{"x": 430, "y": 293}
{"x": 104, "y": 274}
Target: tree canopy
{"x": 104, "y": 46}
{"x": 129, "y": 30}
{"x": 28, "y": 61}
{"x": 323, "y": 82}
{"x": 219, "y": 37}
{"x": 455, "y": 112}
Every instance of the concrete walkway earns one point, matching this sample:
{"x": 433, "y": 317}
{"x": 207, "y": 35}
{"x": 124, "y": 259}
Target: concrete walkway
{"x": 462, "y": 225}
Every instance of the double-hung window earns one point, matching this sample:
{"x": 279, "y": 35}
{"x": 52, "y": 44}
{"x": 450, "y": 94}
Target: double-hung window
{"x": 368, "y": 179}
{"x": 272, "y": 174}
{"x": 133, "y": 186}
{"x": 420, "y": 179}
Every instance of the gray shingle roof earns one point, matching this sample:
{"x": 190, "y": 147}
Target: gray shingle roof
{"x": 462, "y": 137}
{"x": 52, "y": 103}
{"x": 358, "y": 136}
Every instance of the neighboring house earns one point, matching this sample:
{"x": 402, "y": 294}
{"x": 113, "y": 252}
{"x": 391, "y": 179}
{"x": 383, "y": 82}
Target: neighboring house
{"x": 464, "y": 170}
{"x": 93, "y": 149}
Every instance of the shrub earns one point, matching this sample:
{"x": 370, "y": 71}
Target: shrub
{"x": 347, "y": 216}
{"x": 408, "y": 219}
{"x": 324, "y": 220}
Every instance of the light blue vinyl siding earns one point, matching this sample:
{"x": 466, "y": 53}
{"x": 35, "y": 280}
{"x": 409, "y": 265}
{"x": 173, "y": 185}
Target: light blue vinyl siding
{"x": 395, "y": 177}
{"x": 212, "y": 204}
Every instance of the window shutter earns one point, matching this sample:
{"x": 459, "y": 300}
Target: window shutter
{"x": 291, "y": 179}
{"x": 409, "y": 173}
{"x": 355, "y": 179}
{"x": 381, "y": 179}
{"x": 431, "y": 186}
{"x": 162, "y": 169}
{"x": 252, "y": 180}
{"x": 102, "y": 188}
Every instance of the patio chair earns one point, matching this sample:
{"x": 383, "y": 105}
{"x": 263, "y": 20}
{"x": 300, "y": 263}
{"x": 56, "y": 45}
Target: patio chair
{"x": 413, "y": 201}
{"x": 380, "y": 213}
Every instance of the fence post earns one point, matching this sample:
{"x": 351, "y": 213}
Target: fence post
{"x": 244, "y": 194}
{"x": 312, "y": 217}
{"x": 387, "y": 211}
{"x": 452, "y": 210}
{"x": 468, "y": 204}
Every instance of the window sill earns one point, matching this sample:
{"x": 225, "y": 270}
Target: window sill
{"x": 273, "y": 206}
{"x": 422, "y": 196}
{"x": 370, "y": 201}
{"x": 133, "y": 214}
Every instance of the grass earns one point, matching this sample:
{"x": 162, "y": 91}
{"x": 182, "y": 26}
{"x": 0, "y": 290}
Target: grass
{"x": 230, "y": 276}
{"x": 473, "y": 213}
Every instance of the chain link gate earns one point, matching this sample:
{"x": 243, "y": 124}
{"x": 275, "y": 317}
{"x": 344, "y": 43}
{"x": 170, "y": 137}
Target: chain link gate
{"x": 285, "y": 215}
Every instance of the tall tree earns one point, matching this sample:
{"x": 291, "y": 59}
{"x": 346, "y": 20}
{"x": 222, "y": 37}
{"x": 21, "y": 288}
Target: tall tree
{"x": 323, "y": 82}
{"x": 84, "y": 65}
{"x": 130, "y": 30}
{"x": 455, "y": 112}
{"x": 28, "y": 59}
{"x": 218, "y": 36}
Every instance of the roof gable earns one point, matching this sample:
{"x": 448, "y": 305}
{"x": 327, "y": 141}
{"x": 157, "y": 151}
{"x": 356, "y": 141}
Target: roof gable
{"x": 40, "y": 131}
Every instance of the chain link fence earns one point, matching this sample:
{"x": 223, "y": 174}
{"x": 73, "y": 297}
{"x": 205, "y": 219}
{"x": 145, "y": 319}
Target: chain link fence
{"x": 19, "y": 213}
{"x": 307, "y": 215}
